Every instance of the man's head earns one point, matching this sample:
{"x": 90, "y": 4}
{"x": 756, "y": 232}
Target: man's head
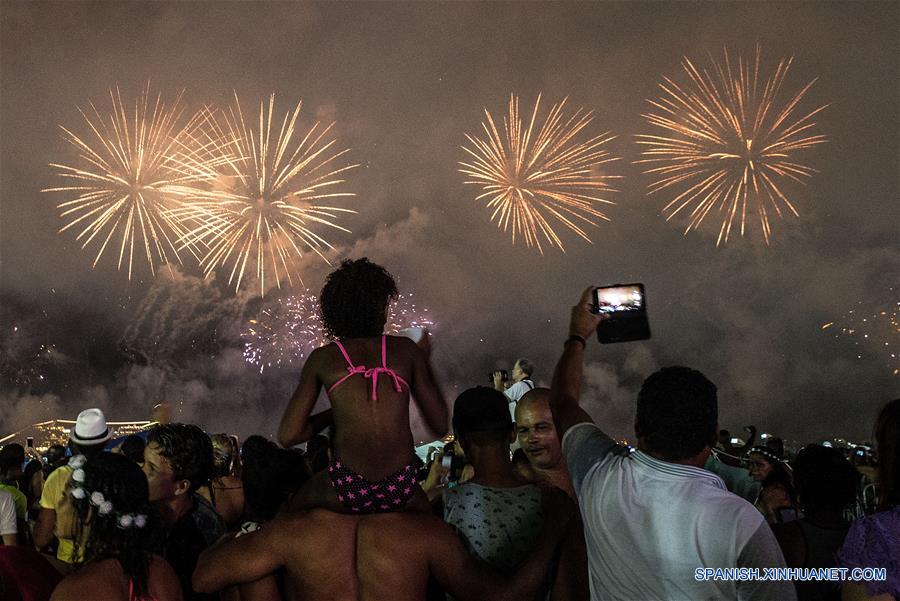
{"x": 55, "y": 454}
{"x": 481, "y": 417}
{"x": 12, "y": 456}
{"x": 677, "y": 414}
{"x": 177, "y": 460}
{"x": 522, "y": 370}
{"x": 536, "y": 430}
{"x": 825, "y": 480}
{"x": 133, "y": 448}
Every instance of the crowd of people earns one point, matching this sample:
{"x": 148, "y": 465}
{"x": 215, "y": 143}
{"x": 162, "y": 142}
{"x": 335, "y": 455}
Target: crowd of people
{"x": 528, "y": 499}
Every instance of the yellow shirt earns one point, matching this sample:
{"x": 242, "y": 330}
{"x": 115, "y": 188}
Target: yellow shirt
{"x": 55, "y": 497}
{"x": 19, "y": 498}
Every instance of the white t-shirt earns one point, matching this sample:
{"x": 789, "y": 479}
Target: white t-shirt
{"x": 516, "y": 392}
{"x": 7, "y": 514}
{"x": 649, "y": 524}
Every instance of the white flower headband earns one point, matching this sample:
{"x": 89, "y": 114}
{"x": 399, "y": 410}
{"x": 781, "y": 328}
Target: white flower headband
{"x": 104, "y": 507}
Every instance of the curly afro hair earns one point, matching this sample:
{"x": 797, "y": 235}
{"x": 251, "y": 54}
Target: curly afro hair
{"x": 354, "y": 298}
{"x": 677, "y": 411}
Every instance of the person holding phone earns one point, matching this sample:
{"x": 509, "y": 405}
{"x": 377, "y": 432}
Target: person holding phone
{"x": 654, "y": 518}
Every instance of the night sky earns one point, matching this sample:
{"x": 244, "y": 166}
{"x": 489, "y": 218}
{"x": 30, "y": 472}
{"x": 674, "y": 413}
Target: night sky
{"x": 404, "y": 83}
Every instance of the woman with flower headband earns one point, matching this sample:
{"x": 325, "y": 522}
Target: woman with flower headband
{"x": 777, "y": 499}
{"x": 109, "y": 494}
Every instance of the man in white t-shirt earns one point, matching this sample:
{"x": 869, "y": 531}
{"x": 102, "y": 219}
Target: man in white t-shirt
{"x": 654, "y": 520}
{"x": 521, "y": 383}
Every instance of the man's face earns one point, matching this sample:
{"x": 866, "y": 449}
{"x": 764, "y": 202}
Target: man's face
{"x": 517, "y": 373}
{"x": 537, "y": 435}
{"x": 159, "y": 474}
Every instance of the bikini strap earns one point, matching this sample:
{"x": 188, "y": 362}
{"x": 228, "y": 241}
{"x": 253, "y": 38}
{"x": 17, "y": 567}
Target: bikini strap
{"x": 344, "y": 353}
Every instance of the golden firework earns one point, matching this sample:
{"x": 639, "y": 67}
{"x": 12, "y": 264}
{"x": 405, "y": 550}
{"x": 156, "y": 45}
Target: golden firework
{"x": 728, "y": 143}
{"x": 133, "y": 167}
{"x": 532, "y": 177}
{"x": 261, "y": 213}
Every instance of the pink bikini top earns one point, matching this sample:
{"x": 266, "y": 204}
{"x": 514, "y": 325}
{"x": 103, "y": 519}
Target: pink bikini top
{"x": 370, "y": 372}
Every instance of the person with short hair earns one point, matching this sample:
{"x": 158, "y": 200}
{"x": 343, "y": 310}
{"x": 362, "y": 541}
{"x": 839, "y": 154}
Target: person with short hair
{"x": 654, "y": 517}
{"x": 178, "y": 460}
{"x": 110, "y": 493}
{"x": 826, "y": 487}
{"x": 369, "y": 378}
{"x": 271, "y": 476}
{"x": 54, "y": 458}
{"x": 88, "y": 437}
{"x": 495, "y": 514}
{"x": 536, "y": 434}
{"x": 521, "y": 383}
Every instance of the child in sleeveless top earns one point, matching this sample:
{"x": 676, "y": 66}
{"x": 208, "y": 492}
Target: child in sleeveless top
{"x": 368, "y": 377}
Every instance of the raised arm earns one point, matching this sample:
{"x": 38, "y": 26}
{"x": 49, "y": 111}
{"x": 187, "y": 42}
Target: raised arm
{"x": 237, "y": 560}
{"x": 565, "y": 392}
{"x": 296, "y": 425}
{"x": 425, "y": 391}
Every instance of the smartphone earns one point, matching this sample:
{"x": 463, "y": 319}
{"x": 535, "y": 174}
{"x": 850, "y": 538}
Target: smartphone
{"x": 29, "y": 442}
{"x": 626, "y": 306}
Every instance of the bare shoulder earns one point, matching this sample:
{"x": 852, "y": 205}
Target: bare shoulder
{"x": 316, "y": 357}
{"x": 96, "y": 577}
{"x": 411, "y": 525}
{"x": 402, "y": 344}
{"x": 158, "y": 565}
{"x": 305, "y": 524}
{"x": 164, "y": 583}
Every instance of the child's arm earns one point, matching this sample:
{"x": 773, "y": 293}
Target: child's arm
{"x": 296, "y": 426}
{"x": 426, "y": 394}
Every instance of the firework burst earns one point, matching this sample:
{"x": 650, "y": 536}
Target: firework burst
{"x": 134, "y": 165}
{"x": 263, "y": 212}
{"x": 873, "y": 331}
{"x": 290, "y": 328}
{"x": 533, "y": 178}
{"x": 728, "y": 144}
{"x": 284, "y": 332}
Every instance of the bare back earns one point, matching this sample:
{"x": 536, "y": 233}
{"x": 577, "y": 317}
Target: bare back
{"x": 382, "y": 556}
{"x": 372, "y": 436}
{"x": 107, "y": 580}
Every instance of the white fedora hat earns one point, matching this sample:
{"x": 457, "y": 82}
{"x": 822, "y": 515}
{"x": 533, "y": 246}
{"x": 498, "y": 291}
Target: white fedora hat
{"x": 90, "y": 428}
